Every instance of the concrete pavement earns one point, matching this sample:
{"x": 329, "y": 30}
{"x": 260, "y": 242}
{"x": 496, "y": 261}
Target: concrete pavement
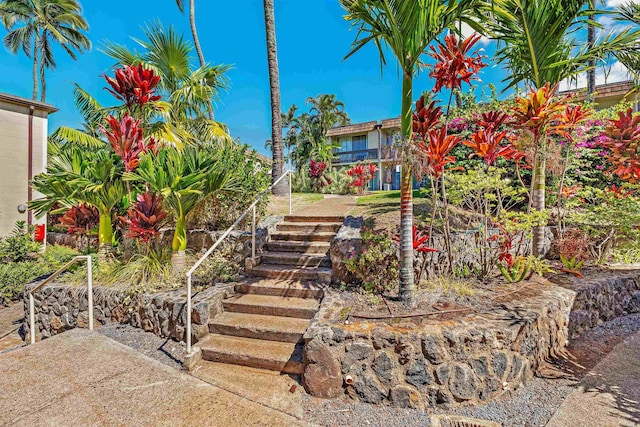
{"x": 84, "y": 378}
{"x": 609, "y": 395}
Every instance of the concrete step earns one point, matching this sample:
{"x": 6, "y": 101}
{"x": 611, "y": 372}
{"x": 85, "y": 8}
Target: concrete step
{"x": 271, "y": 328}
{"x": 296, "y": 259}
{"x": 267, "y": 305}
{"x": 284, "y": 272}
{"x": 262, "y": 354}
{"x": 303, "y": 227}
{"x": 314, "y": 218}
{"x": 292, "y": 236}
{"x": 283, "y": 288}
{"x": 300, "y": 247}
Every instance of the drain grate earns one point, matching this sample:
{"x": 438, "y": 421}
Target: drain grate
{"x": 457, "y": 421}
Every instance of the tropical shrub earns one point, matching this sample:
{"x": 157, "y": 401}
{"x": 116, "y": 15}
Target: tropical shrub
{"x": 361, "y": 175}
{"x": 376, "y": 266}
{"x": 317, "y": 175}
{"x": 80, "y": 219}
{"x": 20, "y": 245}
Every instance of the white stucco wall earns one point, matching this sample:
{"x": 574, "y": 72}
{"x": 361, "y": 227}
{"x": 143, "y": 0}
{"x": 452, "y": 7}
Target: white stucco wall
{"x": 14, "y": 160}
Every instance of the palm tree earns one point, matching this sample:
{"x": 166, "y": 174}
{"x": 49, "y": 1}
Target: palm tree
{"x": 189, "y": 92}
{"x": 630, "y": 57}
{"x": 35, "y": 25}
{"x": 184, "y": 179}
{"x": 406, "y": 27}
{"x": 537, "y": 42}
{"x": 277, "y": 146}
{"x": 328, "y": 112}
{"x": 74, "y": 175}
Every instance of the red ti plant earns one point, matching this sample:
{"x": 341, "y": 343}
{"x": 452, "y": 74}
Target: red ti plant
{"x": 486, "y": 142}
{"x": 362, "y": 174}
{"x": 535, "y": 114}
{"x": 421, "y": 246}
{"x": 622, "y": 137}
{"x": 317, "y": 174}
{"x": 134, "y": 85}
{"x": 454, "y": 63}
{"x": 145, "y": 217}
{"x": 437, "y": 150}
{"x": 81, "y": 219}
{"x": 126, "y": 139}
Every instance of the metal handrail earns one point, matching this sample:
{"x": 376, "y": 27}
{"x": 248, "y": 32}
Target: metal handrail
{"x": 32, "y": 314}
{"x": 221, "y": 239}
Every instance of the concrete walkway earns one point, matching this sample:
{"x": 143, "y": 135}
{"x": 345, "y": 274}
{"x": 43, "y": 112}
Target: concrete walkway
{"x": 330, "y": 205}
{"x": 609, "y": 395}
{"x": 84, "y": 378}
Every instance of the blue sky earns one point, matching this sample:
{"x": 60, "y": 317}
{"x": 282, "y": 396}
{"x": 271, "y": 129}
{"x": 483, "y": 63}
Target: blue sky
{"x": 313, "y": 39}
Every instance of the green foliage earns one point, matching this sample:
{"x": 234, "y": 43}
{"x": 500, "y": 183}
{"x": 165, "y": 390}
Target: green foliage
{"x": 609, "y": 218}
{"x": 518, "y": 272}
{"x": 539, "y": 265}
{"x": 340, "y": 182}
{"x": 19, "y": 246}
{"x": 376, "y": 267}
{"x": 628, "y": 253}
{"x": 572, "y": 264}
{"x": 251, "y": 178}
{"x": 14, "y": 275}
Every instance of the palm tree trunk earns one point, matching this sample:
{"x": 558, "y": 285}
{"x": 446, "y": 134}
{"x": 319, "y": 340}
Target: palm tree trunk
{"x": 277, "y": 147}
{"x": 591, "y": 73}
{"x": 179, "y": 245}
{"x": 35, "y": 69}
{"x": 196, "y": 43}
{"x": 105, "y": 235}
{"x": 406, "y": 200}
{"x": 539, "y": 193}
{"x": 43, "y": 84}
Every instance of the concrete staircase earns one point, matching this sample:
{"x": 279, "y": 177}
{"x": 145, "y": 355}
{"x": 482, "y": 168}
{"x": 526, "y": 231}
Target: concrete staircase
{"x": 263, "y": 323}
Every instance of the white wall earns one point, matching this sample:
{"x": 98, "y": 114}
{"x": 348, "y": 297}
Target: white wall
{"x": 14, "y": 160}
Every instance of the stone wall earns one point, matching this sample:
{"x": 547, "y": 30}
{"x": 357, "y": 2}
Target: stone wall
{"x": 425, "y": 362}
{"x": 59, "y": 308}
{"x": 347, "y": 242}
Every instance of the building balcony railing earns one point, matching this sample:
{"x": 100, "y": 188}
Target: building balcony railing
{"x": 355, "y": 156}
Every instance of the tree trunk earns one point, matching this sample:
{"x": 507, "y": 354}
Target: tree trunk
{"x": 35, "y": 69}
{"x": 105, "y": 235}
{"x": 277, "y": 145}
{"x": 591, "y": 73}
{"x": 539, "y": 193}
{"x": 179, "y": 245}
{"x": 43, "y": 84}
{"x": 406, "y": 200}
{"x": 196, "y": 43}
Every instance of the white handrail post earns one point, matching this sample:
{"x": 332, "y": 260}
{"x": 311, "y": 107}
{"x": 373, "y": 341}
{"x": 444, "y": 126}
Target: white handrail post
{"x": 188, "y": 313}
{"x": 32, "y": 318}
{"x": 90, "y": 290}
{"x": 253, "y": 233}
{"x": 290, "y": 190}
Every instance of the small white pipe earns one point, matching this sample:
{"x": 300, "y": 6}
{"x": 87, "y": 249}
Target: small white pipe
{"x": 189, "y": 314}
{"x": 90, "y": 291}
{"x": 253, "y": 234}
{"x": 290, "y": 190}
{"x": 32, "y": 318}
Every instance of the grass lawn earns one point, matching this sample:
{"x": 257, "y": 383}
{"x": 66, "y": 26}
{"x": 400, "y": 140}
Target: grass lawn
{"x": 280, "y": 205}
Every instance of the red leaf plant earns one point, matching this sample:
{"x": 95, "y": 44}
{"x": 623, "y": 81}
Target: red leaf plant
{"x": 145, "y": 217}
{"x": 134, "y": 85}
{"x": 420, "y": 241}
{"x": 538, "y": 110}
{"x": 454, "y": 64}
{"x": 437, "y": 150}
{"x": 362, "y": 174}
{"x": 620, "y": 192}
{"x": 126, "y": 139}
{"x": 505, "y": 241}
{"x": 570, "y": 118}
{"x": 486, "y": 142}
{"x": 81, "y": 219}
{"x": 425, "y": 118}
{"x": 622, "y": 137}
{"x": 317, "y": 174}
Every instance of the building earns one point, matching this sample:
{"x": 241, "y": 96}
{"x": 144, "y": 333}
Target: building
{"x": 608, "y": 95}
{"x": 370, "y": 142}
{"x": 23, "y": 154}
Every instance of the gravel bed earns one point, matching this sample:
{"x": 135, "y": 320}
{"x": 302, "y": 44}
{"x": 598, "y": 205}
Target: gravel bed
{"x": 165, "y": 350}
{"x": 532, "y": 405}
